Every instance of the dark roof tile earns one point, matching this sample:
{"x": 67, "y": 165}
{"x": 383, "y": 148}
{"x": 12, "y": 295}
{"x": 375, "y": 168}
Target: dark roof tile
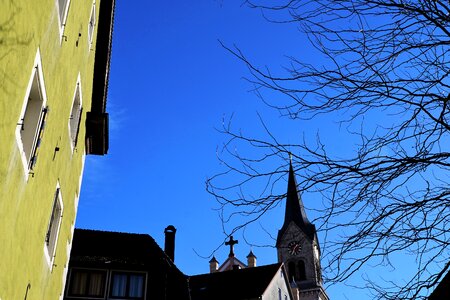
{"x": 235, "y": 284}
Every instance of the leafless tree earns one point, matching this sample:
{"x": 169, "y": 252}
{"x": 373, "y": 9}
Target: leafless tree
{"x": 385, "y": 71}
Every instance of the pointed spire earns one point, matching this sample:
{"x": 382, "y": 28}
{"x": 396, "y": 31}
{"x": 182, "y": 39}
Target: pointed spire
{"x": 250, "y": 254}
{"x": 213, "y": 265}
{"x": 251, "y": 260}
{"x": 295, "y": 210}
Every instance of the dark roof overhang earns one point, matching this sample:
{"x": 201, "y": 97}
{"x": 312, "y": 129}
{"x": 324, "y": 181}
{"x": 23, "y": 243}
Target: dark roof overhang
{"x": 97, "y": 132}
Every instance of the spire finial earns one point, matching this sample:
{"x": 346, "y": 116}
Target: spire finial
{"x": 290, "y": 157}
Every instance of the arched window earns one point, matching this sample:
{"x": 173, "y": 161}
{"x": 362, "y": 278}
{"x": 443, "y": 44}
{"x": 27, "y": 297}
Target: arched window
{"x": 292, "y": 271}
{"x": 301, "y": 270}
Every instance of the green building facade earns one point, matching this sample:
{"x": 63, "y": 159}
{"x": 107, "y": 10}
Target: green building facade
{"x": 54, "y": 67}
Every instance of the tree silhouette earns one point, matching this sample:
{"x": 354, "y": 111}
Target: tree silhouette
{"x": 385, "y": 72}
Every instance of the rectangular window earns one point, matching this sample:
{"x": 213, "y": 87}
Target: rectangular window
{"x": 63, "y": 7}
{"x": 75, "y": 115}
{"x": 31, "y": 123}
{"x": 125, "y": 285}
{"x": 54, "y": 224}
{"x": 91, "y": 25}
{"x": 87, "y": 283}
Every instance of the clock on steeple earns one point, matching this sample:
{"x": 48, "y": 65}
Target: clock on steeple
{"x": 297, "y": 245}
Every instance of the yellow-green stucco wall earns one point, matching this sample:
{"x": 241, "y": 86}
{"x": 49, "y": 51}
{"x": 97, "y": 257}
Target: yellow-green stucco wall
{"x": 26, "y": 204}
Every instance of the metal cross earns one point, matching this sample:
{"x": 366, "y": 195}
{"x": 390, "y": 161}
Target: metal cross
{"x": 231, "y": 243}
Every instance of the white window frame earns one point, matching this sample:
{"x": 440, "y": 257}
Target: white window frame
{"x": 74, "y": 121}
{"x": 50, "y": 252}
{"x": 62, "y": 19}
{"x": 92, "y": 25}
{"x": 36, "y": 71}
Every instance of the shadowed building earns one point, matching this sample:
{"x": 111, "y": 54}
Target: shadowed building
{"x": 116, "y": 265}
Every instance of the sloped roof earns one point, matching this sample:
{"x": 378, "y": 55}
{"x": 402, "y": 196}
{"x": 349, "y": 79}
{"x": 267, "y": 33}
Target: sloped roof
{"x": 129, "y": 251}
{"x": 442, "y": 291}
{"x": 230, "y": 262}
{"x": 295, "y": 210}
{"x": 235, "y": 284}
{"x": 119, "y": 247}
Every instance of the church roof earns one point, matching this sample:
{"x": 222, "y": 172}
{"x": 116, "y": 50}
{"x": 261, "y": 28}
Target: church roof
{"x": 230, "y": 263}
{"x": 249, "y": 283}
{"x": 295, "y": 210}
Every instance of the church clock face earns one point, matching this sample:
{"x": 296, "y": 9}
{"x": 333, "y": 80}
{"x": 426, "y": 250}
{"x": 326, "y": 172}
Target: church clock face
{"x": 294, "y": 247}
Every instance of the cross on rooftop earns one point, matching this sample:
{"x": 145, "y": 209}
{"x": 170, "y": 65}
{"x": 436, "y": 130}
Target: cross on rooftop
{"x": 231, "y": 243}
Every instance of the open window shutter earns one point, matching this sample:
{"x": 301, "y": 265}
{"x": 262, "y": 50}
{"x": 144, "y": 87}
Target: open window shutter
{"x": 39, "y": 135}
{"x": 80, "y": 114}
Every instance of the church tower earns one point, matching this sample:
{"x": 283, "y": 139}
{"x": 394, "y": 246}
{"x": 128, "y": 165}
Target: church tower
{"x": 298, "y": 247}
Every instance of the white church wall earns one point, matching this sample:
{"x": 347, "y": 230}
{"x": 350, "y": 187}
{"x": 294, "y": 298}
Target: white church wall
{"x": 277, "y": 289}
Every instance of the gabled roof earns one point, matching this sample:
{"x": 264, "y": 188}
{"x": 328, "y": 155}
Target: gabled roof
{"x": 229, "y": 264}
{"x": 295, "y": 210}
{"x": 235, "y": 284}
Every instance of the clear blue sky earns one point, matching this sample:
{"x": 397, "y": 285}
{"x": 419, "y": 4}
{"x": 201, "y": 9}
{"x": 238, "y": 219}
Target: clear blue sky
{"x": 171, "y": 84}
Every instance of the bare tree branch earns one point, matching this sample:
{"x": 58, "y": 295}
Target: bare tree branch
{"x": 385, "y": 71}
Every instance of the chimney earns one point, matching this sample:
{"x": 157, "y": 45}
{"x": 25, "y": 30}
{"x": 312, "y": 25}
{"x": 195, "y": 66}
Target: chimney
{"x": 251, "y": 260}
{"x": 213, "y": 265}
{"x": 169, "y": 244}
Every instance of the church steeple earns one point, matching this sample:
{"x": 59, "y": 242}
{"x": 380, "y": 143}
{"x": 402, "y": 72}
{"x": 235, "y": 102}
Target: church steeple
{"x": 295, "y": 210}
{"x": 298, "y": 245}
